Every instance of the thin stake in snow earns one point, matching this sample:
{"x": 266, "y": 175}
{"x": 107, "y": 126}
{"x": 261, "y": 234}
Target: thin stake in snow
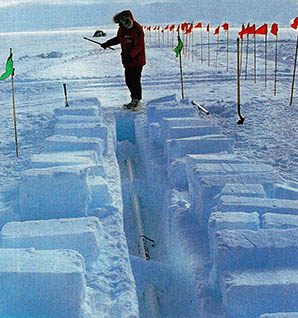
{"x": 241, "y": 120}
{"x": 226, "y": 28}
{"x": 274, "y": 30}
{"x": 178, "y": 50}
{"x": 255, "y": 58}
{"x": 65, "y": 94}
{"x": 208, "y": 31}
{"x": 216, "y": 32}
{"x": 9, "y": 71}
{"x": 294, "y": 73}
{"x": 246, "y": 63}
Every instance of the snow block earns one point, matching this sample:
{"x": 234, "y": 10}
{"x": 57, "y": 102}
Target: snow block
{"x": 58, "y": 192}
{"x": 157, "y": 113}
{"x": 247, "y": 190}
{"x": 42, "y": 283}
{"x": 77, "y": 111}
{"x": 72, "y": 143}
{"x": 207, "y": 180}
{"x": 75, "y": 119}
{"x": 190, "y": 131}
{"x": 83, "y": 130}
{"x": 232, "y": 203}
{"x": 100, "y": 195}
{"x": 250, "y": 294}
{"x": 281, "y": 315}
{"x": 80, "y": 234}
{"x": 51, "y": 159}
{"x": 167, "y": 123}
{"x": 286, "y": 191}
{"x": 231, "y": 221}
{"x": 244, "y": 249}
{"x": 279, "y": 221}
{"x": 177, "y": 148}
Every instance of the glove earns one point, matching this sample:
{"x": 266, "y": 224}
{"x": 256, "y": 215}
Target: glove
{"x": 104, "y": 45}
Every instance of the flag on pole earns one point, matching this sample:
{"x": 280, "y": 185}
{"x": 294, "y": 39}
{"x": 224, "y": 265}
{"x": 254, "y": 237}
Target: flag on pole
{"x": 8, "y": 68}
{"x": 216, "y": 31}
{"x": 252, "y": 29}
{"x": 208, "y": 28}
{"x": 179, "y": 47}
{"x": 274, "y": 29}
{"x": 242, "y": 32}
{"x": 294, "y": 25}
{"x": 262, "y": 30}
{"x": 198, "y": 25}
{"x": 172, "y": 27}
{"x": 225, "y": 26}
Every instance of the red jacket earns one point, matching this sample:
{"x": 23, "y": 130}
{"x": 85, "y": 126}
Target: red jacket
{"x": 132, "y": 43}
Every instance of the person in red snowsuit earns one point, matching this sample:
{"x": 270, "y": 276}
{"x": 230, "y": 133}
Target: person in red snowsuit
{"x": 130, "y": 36}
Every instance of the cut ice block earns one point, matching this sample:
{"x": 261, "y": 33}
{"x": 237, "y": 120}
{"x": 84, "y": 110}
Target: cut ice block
{"x": 279, "y": 221}
{"x": 260, "y": 205}
{"x": 42, "y": 283}
{"x": 80, "y": 234}
{"x": 231, "y": 221}
{"x": 73, "y": 143}
{"x": 281, "y": 315}
{"x": 157, "y": 113}
{"x": 167, "y": 123}
{"x": 78, "y": 111}
{"x": 236, "y": 249}
{"x": 177, "y": 148}
{"x": 58, "y": 192}
{"x": 73, "y": 119}
{"x": 83, "y": 130}
{"x": 100, "y": 194}
{"x": 250, "y": 294}
{"x": 247, "y": 190}
{"x": 206, "y": 181}
{"x": 67, "y": 158}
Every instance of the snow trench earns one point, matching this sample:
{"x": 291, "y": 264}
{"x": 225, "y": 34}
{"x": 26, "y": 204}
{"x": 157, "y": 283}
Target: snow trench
{"x": 147, "y": 214}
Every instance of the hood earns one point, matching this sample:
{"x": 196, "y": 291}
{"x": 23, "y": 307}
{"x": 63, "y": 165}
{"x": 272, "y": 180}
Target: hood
{"x": 126, "y": 13}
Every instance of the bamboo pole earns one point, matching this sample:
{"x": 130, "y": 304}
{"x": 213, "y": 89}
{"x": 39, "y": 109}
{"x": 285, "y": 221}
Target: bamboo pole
{"x": 246, "y": 62}
{"x": 208, "y": 48}
{"x": 294, "y": 73}
{"x": 255, "y": 58}
{"x": 241, "y": 120}
{"x": 227, "y": 50}
{"x": 241, "y": 54}
{"x": 181, "y": 71}
{"x": 217, "y": 44}
{"x": 275, "y": 69}
{"x": 265, "y": 71}
{"x": 201, "y": 44}
{"x": 14, "y": 111}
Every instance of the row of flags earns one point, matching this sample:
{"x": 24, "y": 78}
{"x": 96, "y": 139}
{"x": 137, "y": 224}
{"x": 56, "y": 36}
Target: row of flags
{"x": 187, "y": 28}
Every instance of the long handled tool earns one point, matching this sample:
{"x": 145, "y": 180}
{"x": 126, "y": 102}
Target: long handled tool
{"x": 97, "y": 42}
{"x": 65, "y": 94}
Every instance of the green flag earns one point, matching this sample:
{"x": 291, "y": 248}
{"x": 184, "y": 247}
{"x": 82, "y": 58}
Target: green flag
{"x": 179, "y": 47}
{"x": 9, "y": 68}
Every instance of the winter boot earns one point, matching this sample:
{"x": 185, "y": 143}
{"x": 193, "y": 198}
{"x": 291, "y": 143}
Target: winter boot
{"x": 127, "y": 106}
{"x": 136, "y": 105}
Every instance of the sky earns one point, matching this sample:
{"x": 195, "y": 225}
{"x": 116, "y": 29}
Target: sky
{"x": 31, "y": 15}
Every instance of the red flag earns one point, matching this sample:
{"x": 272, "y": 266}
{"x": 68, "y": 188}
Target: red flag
{"x": 166, "y": 27}
{"x": 251, "y": 29}
{"x": 149, "y": 28}
{"x": 208, "y": 28}
{"x": 158, "y": 28}
{"x": 274, "y": 29}
{"x": 188, "y": 28}
{"x": 225, "y": 26}
{"x": 262, "y": 30}
{"x": 198, "y": 25}
{"x": 216, "y": 31}
{"x": 294, "y": 25}
{"x": 172, "y": 27}
{"x": 178, "y": 27}
{"x": 242, "y": 32}
{"x": 162, "y": 31}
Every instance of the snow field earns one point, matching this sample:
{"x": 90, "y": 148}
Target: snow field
{"x": 70, "y": 200}
{"x": 235, "y": 241}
